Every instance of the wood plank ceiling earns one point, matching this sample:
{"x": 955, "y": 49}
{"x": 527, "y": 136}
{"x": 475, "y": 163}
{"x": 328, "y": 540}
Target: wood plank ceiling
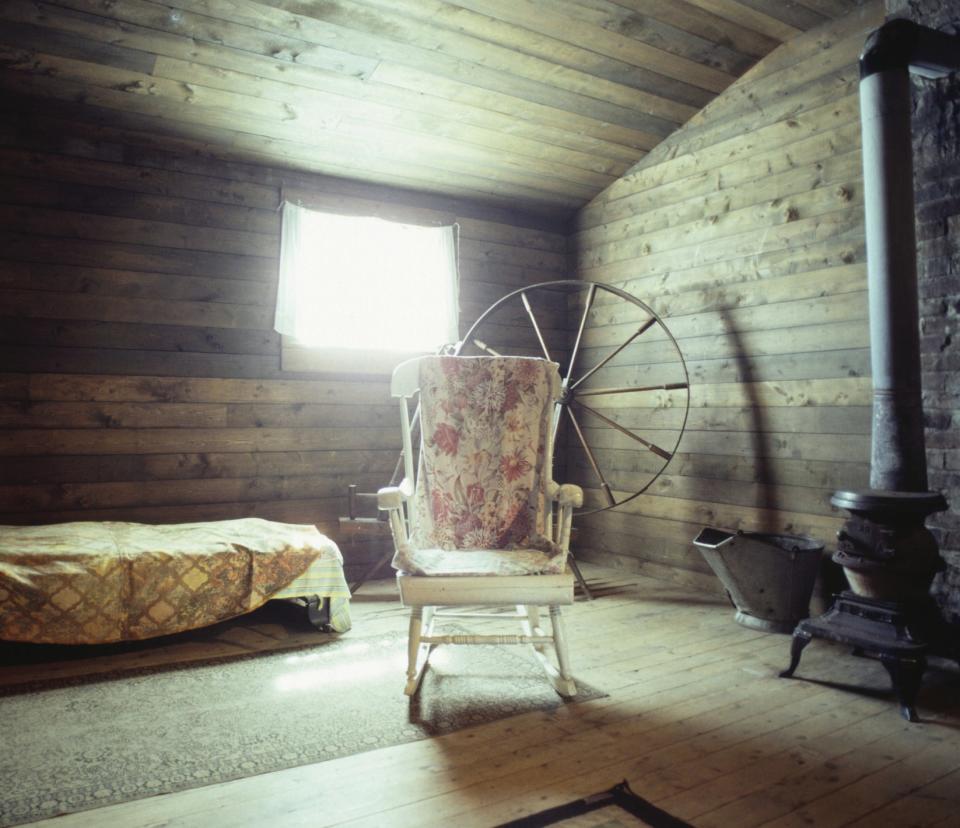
{"x": 539, "y": 104}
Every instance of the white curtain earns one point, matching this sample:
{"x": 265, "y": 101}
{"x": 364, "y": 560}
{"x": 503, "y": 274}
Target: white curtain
{"x": 366, "y": 283}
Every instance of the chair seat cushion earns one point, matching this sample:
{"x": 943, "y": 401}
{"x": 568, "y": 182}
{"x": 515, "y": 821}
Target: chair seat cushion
{"x": 479, "y": 562}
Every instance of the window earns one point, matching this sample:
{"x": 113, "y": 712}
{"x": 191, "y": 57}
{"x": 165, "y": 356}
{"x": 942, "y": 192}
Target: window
{"x": 352, "y": 288}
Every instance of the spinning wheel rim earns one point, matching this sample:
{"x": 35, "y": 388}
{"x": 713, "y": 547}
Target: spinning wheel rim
{"x": 569, "y": 395}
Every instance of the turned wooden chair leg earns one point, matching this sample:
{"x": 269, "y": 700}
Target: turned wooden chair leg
{"x": 534, "y": 615}
{"x": 565, "y": 685}
{"x": 530, "y": 622}
{"x": 418, "y": 653}
{"x": 414, "y": 671}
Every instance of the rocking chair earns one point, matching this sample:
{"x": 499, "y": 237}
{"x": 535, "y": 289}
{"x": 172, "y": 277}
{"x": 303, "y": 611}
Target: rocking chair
{"x": 482, "y": 524}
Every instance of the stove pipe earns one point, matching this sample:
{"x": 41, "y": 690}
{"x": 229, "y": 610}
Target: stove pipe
{"x": 898, "y": 459}
{"x": 884, "y": 547}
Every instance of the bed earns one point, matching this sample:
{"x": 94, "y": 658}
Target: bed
{"x": 102, "y": 582}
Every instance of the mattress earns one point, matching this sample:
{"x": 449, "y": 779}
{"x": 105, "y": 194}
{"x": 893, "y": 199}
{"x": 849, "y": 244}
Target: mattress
{"x": 100, "y": 582}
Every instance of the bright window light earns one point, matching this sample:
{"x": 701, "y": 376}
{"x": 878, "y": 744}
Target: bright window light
{"x": 366, "y": 284}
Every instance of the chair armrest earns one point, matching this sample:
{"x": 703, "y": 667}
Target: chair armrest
{"x": 568, "y": 497}
{"x": 568, "y": 494}
{"x": 390, "y": 499}
{"x": 393, "y": 497}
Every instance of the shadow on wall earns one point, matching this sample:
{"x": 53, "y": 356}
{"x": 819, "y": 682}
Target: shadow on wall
{"x": 830, "y": 579}
{"x": 764, "y": 474}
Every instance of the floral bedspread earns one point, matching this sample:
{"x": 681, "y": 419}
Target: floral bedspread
{"x": 90, "y": 582}
{"x": 483, "y": 471}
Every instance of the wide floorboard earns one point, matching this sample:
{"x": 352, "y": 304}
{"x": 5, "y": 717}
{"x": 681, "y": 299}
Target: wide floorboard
{"x": 695, "y": 719}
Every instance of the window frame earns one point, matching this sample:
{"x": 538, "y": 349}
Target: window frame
{"x": 299, "y": 357}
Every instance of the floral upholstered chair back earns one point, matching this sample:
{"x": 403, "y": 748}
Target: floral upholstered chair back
{"x": 484, "y": 467}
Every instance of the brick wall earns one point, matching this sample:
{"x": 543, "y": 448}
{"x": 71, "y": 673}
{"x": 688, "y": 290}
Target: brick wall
{"x": 937, "y": 184}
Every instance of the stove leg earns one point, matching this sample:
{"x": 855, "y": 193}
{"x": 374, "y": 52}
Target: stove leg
{"x": 800, "y": 640}
{"x": 906, "y": 675}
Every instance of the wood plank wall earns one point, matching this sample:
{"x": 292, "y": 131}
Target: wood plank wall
{"x": 140, "y": 373}
{"x": 745, "y": 230}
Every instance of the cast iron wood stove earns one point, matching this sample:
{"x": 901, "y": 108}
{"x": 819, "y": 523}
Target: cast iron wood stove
{"x": 888, "y": 555}
{"x": 889, "y": 558}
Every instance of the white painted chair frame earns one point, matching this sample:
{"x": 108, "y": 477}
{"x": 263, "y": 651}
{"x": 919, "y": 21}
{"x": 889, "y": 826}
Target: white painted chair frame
{"x": 425, "y": 594}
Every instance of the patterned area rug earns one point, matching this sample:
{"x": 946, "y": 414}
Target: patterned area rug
{"x": 276, "y": 626}
{"x": 89, "y": 741}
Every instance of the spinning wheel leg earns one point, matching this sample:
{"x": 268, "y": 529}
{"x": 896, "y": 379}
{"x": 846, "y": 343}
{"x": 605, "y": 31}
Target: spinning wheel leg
{"x": 579, "y": 576}
{"x": 372, "y": 570}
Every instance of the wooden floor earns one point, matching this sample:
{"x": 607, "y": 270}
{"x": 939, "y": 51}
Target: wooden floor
{"x": 696, "y": 720}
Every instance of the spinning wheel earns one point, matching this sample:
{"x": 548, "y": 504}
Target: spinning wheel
{"x": 625, "y": 382}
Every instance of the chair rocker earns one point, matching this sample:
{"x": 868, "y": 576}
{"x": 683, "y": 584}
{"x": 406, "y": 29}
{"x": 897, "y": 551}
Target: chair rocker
{"x": 482, "y": 524}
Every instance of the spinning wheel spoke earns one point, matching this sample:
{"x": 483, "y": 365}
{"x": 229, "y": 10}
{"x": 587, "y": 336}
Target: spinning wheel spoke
{"x": 670, "y": 386}
{"x": 660, "y": 452}
{"x": 536, "y": 327}
{"x": 593, "y": 460}
{"x": 644, "y": 327}
{"x": 611, "y": 368}
{"x": 484, "y": 347}
{"x": 583, "y": 323}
